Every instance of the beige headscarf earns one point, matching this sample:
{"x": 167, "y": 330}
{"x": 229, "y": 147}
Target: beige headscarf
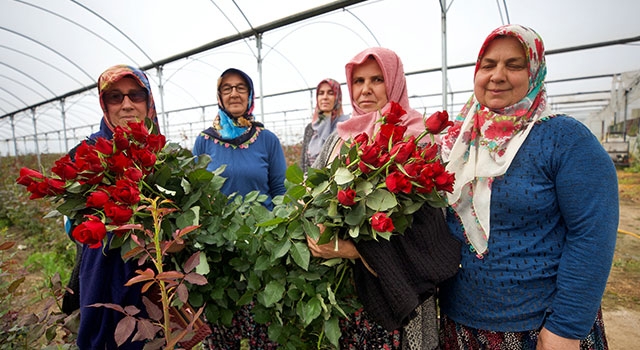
{"x": 477, "y": 147}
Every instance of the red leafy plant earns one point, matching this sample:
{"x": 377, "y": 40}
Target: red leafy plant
{"x": 138, "y": 188}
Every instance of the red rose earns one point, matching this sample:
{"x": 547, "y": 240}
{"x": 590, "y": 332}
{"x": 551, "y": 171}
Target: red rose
{"x": 97, "y": 199}
{"x": 90, "y": 232}
{"x": 395, "y": 113}
{"x": 118, "y": 214}
{"x": 104, "y": 146}
{"x": 119, "y": 162}
{"x": 361, "y": 139}
{"x": 156, "y": 142}
{"x": 65, "y": 168}
{"x": 403, "y": 150}
{"x": 444, "y": 181}
{"x": 384, "y": 134}
{"x": 120, "y": 139}
{"x": 133, "y": 174}
{"x": 397, "y": 182}
{"x": 430, "y": 152}
{"x": 28, "y": 177}
{"x": 125, "y": 191}
{"x": 347, "y": 197}
{"x": 37, "y": 190}
{"x": 437, "y": 122}
{"x": 370, "y": 153}
{"x": 139, "y": 131}
{"x": 54, "y": 186}
{"x": 364, "y": 167}
{"x": 144, "y": 157}
{"x": 381, "y": 222}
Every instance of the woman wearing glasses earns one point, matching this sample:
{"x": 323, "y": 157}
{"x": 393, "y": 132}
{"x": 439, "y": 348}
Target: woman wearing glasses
{"x": 254, "y": 162}
{"x": 100, "y": 274}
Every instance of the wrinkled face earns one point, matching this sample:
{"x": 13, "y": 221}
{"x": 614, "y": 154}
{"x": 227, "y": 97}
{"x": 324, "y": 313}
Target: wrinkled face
{"x": 502, "y": 79}
{"x": 325, "y": 98}
{"x": 123, "y": 109}
{"x": 367, "y": 86}
{"x": 235, "y": 100}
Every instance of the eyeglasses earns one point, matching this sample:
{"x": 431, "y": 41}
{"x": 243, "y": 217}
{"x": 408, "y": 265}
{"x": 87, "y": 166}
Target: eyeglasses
{"x": 116, "y": 97}
{"x": 240, "y": 88}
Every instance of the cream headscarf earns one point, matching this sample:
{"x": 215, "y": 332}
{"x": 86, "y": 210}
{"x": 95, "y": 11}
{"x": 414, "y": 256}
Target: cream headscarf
{"x": 396, "y": 85}
{"x": 477, "y": 147}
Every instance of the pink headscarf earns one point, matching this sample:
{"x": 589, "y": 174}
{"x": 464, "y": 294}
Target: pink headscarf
{"x": 396, "y": 85}
{"x": 337, "y": 106}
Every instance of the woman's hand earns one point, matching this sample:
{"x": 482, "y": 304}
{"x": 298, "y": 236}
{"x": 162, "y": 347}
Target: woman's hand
{"x": 346, "y": 249}
{"x": 551, "y": 341}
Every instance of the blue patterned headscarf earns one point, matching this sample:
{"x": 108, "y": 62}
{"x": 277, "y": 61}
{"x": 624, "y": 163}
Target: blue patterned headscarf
{"x": 228, "y": 126}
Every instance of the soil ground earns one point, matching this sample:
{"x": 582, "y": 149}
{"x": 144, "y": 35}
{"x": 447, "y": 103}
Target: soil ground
{"x": 621, "y": 302}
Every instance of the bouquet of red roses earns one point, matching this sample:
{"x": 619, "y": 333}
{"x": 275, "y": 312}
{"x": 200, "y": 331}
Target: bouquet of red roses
{"x": 140, "y": 188}
{"x": 101, "y": 188}
{"x": 374, "y": 185}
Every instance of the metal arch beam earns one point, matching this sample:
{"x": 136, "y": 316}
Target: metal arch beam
{"x": 23, "y": 85}
{"x": 43, "y": 62}
{"x": 217, "y": 43}
{"x": 81, "y": 26}
{"x": 114, "y": 27}
{"x": 14, "y": 96}
{"x": 48, "y": 47}
{"x": 30, "y": 77}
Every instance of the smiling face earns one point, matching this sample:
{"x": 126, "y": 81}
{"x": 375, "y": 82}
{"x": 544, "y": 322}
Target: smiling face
{"x": 121, "y": 113}
{"x": 502, "y": 78}
{"x": 235, "y": 102}
{"x": 367, "y": 86}
{"x": 325, "y": 98}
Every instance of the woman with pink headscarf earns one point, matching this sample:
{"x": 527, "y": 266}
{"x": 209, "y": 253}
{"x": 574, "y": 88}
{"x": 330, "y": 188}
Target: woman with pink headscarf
{"x": 326, "y": 116}
{"x": 395, "y": 279}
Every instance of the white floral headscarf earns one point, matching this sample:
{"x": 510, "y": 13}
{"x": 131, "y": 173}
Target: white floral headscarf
{"x": 483, "y": 142}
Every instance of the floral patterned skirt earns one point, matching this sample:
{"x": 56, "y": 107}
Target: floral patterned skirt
{"x": 360, "y": 333}
{"x": 454, "y": 336}
{"x": 243, "y": 333}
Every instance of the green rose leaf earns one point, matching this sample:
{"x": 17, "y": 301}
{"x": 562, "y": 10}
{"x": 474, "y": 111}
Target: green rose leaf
{"x": 271, "y": 294}
{"x": 311, "y": 310}
{"x": 332, "y": 330}
{"x": 381, "y": 200}
{"x": 343, "y": 176}
{"x": 301, "y": 255}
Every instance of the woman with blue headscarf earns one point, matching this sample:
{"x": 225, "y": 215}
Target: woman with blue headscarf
{"x": 253, "y": 155}
{"x": 254, "y": 161}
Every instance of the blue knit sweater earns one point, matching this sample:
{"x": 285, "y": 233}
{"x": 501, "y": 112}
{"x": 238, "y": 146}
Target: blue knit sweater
{"x": 554, "y": 219}
{"x": 259, "y": 167}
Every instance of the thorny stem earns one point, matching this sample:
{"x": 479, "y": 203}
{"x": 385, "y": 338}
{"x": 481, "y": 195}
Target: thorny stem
{"x": 157, "y": 220}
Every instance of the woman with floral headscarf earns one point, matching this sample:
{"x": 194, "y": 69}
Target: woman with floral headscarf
{"x": 395, "y": 279}
{"x": 536, "y": 203}
{"x": 254, "y": 161}
{"x": 125, "y": 95}
{"x": 327, "y": 114}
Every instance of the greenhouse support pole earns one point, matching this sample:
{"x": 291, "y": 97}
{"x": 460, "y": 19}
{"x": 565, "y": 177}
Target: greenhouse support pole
{"x": 259, "y": 58}
{"x": 165, "y": 126}
{"x": 64, "y": 125}
{"x": 443, "y": 21}
{"x": 35, "y": 136}
{"x": 13, "y": 132}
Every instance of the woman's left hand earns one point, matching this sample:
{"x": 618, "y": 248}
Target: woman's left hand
{"x": 346, "y": 249}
